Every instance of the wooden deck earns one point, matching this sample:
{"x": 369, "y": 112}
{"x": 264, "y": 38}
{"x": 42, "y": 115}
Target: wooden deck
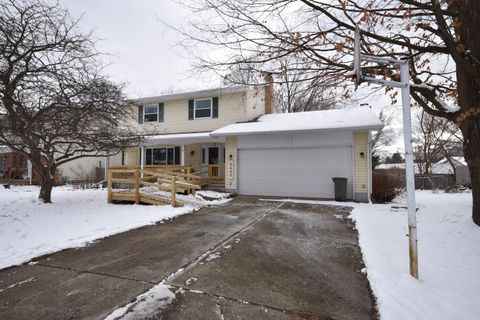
{"x": 169, "y": 179}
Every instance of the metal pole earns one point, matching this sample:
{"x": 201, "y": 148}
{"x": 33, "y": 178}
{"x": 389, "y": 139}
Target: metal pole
{"x": 410, "y": 173}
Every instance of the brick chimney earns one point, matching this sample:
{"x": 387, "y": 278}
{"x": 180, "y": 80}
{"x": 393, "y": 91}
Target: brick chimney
{"x": 269, "y": 99}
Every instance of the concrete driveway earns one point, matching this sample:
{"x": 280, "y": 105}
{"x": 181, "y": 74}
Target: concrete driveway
{"x": 248, "y": 259}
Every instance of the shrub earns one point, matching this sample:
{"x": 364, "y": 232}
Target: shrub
{"x": 387, "y": 184}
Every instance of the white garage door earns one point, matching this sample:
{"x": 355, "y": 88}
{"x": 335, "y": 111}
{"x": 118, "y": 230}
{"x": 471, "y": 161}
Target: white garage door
{"x": 294, "y": 172}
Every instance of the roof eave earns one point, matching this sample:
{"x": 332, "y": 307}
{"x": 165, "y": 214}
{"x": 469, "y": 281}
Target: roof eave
{"x": 231, "y": 134}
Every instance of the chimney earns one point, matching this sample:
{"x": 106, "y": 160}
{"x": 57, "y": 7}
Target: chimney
{"x": 269, "y": 101}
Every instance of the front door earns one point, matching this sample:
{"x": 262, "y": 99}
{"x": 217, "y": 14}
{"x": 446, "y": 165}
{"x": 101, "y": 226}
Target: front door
{"x": 213, "y": 155}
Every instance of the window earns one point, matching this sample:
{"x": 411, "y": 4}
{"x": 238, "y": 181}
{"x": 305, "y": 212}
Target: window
{"x": 162, "y": 156}
{"x": 150, "y": 113}
{"x": 203, "y": 108}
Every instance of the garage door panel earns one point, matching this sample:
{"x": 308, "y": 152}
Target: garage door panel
{"x": 301, "y": 172}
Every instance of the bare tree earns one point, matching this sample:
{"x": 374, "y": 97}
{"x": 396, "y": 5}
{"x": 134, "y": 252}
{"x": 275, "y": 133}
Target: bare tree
{"x": 382, "y": 138}
{"x": 293, "y": 93}
{"x": 435, "y": 138}
{"x": 55, "y": 104}
{"x": 439, "y": 38}
{"x": 427, "y": 133}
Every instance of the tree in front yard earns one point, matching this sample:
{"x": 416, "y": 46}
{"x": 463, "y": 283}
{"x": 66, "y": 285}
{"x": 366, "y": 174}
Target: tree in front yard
{"x": 439, "y": 38}
{"x": 55, "y": 104}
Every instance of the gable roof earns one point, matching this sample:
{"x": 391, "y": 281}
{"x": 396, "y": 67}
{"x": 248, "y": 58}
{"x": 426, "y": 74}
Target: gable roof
{"x": 337, "y": 119}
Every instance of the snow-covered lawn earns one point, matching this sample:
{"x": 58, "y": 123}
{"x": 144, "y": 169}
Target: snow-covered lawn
{"x": 30, "y": 228}
{"x": 449, "y": 257}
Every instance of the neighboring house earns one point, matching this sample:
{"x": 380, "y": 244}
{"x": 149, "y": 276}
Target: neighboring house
{"x": 461, "y": 171}
{"x": 15, "y": 167}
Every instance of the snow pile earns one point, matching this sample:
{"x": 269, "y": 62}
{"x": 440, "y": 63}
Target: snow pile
{"x": 30, "y": 228}
{"x": 200, "y": 199}
{"x": 146, "y": 305}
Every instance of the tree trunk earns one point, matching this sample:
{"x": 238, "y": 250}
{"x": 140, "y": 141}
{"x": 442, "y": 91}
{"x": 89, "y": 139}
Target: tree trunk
{"x": 468, "y": 100}
{"x": 471, "y": 146}
{"x": 46, "y": 190}
{"x": 47, "y": 182}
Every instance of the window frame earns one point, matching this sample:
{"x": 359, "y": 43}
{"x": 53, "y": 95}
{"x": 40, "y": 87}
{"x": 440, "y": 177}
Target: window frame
{"x": 173, "y": 159}
{"x": 203, "y": 108}
{"x": 150, "y": 113}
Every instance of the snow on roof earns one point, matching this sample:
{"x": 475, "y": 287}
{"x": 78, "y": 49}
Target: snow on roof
{"x": 191, "y": 94}
{"x": 355, "y": 118}
{"x": 179, "y": 138}
{"x": 444, "y": 167}
{"x": 388, "y": 166}
{"x": 458, "y": 161}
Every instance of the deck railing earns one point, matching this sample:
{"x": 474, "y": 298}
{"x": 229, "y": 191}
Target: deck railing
{"x": 132, "y": 180}
{"x": 208, "y": 173}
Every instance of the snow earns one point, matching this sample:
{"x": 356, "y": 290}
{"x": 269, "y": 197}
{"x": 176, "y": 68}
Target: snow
{"x": 145, "y": 305}
{"x": 179, "y": 138}
{"x": 354, "y": 118}
{"x": 30, "y": 228}
{"x": 449, "y": 257}
{"x": 387, "y": 166}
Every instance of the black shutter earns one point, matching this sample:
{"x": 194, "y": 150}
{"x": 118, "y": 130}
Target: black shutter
{"x": 177, "y": 155}
{"x": 190, "y": 109}
{"x": 215, "y": 107}
{"x": 140, "y": 114}
{"x": 160, "y": 112}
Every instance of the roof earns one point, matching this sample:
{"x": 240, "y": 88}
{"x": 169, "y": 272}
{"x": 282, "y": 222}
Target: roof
{"x": 338, "y": 119}
{"x": 191, "y": 94}
{"x": 444, "y": 167}
{"x": 180, "y": 138}
{"x": 388, "y": 166}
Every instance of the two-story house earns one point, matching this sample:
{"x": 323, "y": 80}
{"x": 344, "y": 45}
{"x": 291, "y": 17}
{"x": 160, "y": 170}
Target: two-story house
{"x": 177, "y": 129}
{"x": 177, "y": 126}
{"x": 250, "y": 150}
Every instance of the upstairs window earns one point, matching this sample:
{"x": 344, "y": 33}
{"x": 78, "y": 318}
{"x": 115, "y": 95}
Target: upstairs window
{"x": 150, "y": 113}
{"x": 203, "y": 108}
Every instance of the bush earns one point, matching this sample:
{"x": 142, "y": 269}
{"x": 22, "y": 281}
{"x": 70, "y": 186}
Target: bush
{"x": 387, "y": 184}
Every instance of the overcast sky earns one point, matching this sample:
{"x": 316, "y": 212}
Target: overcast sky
{"x": 145, "y": 54}
{"x": 144, "y": 51}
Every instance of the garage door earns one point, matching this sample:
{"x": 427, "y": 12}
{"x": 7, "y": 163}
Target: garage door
{"x": 294, "y": 172}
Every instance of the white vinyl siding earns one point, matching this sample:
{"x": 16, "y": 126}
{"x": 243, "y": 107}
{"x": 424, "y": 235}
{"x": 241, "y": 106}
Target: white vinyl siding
{"x": 81, "y": 169}
{"x": 233, "y": 107}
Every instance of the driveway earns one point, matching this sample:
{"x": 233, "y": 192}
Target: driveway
{"x": 248, "y": 259}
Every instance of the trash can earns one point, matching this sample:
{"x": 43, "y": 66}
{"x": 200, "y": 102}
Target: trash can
{"x": 340, "y": 188}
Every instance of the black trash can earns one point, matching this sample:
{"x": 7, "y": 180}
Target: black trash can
{"x": 340, "y": 188}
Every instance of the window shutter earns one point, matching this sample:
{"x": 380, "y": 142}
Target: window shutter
{"x": 160, "y": 112}
{"x": 140, "y": 114}
{"x": 190, "y": 109}
{"x": 215, "y": 107}
{"x": 177, "y": 155}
